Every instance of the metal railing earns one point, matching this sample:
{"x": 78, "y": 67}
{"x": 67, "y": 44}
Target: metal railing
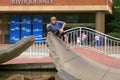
{"x": 86, "y": 37}
{"x": 37, "y": 50}
{"x": 80, "y": 37}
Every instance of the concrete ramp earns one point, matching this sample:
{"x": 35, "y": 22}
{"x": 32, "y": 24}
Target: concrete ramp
{"x": 73, "y": 66}
{"x": 16, "y": 49}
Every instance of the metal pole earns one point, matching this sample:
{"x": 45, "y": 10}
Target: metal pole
{"x": 105, "y": 44}
{"x": 80, "y": 37}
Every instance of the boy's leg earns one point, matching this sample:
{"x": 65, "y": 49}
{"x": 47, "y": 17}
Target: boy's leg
{"x": 66, "y": 39}
{"x": 61, "y": 33}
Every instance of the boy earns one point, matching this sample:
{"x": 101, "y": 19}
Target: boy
{"x": 57, "y": 27}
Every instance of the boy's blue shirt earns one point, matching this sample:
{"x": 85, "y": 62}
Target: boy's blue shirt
{"x": 55, "y": 27}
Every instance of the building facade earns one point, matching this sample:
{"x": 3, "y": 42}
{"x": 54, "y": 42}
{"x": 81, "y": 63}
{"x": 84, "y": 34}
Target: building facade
{"x": 89, "y": 13}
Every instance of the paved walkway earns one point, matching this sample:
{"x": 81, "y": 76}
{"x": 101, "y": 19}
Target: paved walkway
{"x": 28, "y": 60}
{"x": 100, "y": 58}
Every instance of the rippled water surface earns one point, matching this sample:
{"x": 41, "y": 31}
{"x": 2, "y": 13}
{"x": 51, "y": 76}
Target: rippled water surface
{"x": 5, "y": 74}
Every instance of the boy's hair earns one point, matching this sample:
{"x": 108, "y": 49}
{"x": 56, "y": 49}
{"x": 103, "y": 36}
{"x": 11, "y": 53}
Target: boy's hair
{"x": 53, "y": 18}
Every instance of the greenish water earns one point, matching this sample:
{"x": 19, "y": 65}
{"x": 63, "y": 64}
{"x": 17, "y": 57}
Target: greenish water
{"x": 5, "y": 74}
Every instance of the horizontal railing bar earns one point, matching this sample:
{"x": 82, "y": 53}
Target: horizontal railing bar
{"x": 93, "y": 31}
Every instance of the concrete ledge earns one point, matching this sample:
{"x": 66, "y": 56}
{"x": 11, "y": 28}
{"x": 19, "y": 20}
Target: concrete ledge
{"x": 33, "y": 66}
{"x": 55, "y": 8}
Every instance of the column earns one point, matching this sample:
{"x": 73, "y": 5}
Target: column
{"x": 0, "y": 28}
{"x": 100, "y": 21}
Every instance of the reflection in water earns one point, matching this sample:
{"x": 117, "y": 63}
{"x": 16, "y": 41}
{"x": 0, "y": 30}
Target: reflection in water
{"x": 35, "y": 74}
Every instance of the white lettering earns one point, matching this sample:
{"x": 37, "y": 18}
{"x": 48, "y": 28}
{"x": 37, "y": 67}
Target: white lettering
{"x": 32, "y": 1}
{"x": 51, "y": 1}
{"x": 23, "y": 1}
{"x": 15, "y": 1}
{"x": 19, "y": 1}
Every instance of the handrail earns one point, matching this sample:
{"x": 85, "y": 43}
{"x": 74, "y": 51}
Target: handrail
{"x": 96, "y": 40}
{"x": 92, "y": 30}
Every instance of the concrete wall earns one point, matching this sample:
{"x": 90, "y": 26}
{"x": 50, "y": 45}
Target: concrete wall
{"x": 100, "y": 21}
{"x": 0, "y": 28}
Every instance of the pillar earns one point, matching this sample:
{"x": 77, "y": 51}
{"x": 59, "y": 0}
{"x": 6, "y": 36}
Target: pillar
{"x": 0, "y": 28}
{"x": 100, "y": 21}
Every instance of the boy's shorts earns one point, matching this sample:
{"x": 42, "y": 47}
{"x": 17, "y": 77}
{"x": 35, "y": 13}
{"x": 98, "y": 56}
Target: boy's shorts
{"x": 64, "y": 33}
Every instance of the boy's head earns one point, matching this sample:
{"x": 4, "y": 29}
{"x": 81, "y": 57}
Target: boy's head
{"x": 53, "y": 20}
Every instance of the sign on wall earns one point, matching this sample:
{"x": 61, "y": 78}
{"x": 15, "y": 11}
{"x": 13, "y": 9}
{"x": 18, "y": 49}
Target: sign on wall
{"x": 15, "y": 2}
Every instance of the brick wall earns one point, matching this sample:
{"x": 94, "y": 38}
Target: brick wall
{"x": 61, "y": 2}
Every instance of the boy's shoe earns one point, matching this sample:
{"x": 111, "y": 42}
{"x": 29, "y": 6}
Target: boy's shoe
{"x": 67, "y": 48}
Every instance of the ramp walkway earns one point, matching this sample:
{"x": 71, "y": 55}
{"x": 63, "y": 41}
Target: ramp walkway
{"x": 73, "y": 66}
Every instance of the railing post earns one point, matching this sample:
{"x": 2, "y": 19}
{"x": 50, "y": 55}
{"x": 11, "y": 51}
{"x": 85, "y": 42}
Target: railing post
{"x": 117, "y": 47}
{"x": 105, "y": 44}
{"x": 80, "y": 37}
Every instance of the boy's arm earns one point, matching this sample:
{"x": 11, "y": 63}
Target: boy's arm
{"x": 47, "y": 27}
{"x": 62, "y": 23}
{"x": 63, "y": 26}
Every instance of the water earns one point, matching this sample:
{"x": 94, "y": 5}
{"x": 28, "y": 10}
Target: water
{"x": 5, "y": 74}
